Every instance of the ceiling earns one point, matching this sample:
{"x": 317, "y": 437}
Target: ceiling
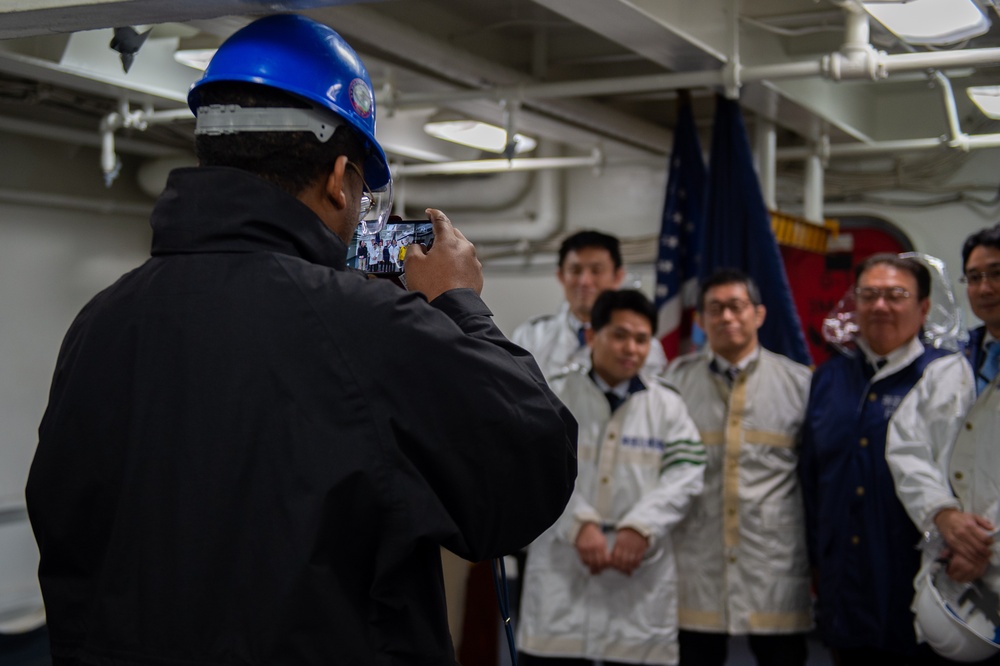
{"x": 583, "y": 75}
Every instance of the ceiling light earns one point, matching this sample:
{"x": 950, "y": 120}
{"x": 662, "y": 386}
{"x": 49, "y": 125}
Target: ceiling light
{"x": 930, "y": 21}
{"x": 987, "y": 98}
{"x": 475, "y": 134}
{"x": 196, "y": 58}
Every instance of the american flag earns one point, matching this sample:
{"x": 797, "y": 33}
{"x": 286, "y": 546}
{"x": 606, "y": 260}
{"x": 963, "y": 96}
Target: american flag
{"x": 679, "y": 254}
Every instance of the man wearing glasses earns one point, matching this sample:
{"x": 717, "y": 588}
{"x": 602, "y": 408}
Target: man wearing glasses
{"x": 861, "y": 541}
{"x": 741, "y": 559}
{"x": 942, "y": 441}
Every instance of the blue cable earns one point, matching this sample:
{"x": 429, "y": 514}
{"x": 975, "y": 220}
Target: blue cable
{"x": 499, "y": 571}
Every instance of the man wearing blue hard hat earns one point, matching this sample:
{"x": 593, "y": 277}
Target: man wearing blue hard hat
{"x": 232, "y": 469}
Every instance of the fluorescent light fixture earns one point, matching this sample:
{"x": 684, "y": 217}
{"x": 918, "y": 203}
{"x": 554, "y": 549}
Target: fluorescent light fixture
{"x": 475, "y": 134}
{"x": 196, "y": 58}
{"x": 987, "y": 98}
{"x": 930, "y": 21}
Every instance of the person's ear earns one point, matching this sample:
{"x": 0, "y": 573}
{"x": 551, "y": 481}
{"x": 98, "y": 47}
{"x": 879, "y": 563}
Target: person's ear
{"x": 761, "y": 314}
{"x": 619, "y": 276}
{"x": 588, "y": 336}
{"x": 925, "y": 307}
{"x": 336, "y": 184}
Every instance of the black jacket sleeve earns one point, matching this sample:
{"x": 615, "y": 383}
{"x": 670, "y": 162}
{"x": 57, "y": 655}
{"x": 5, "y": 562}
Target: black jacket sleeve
{"x": 481, "y": 450}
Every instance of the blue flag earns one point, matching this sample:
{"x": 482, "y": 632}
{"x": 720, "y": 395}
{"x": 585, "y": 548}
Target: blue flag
{"x": 738, "y": 234}
{"x": 680, "y": 237}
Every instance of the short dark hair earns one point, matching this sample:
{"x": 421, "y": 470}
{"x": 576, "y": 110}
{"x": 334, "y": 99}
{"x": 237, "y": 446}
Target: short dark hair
{"x": 584, "y": 239}
{"x": 989, "y": 237}
{"x": 625, "y": 299}
{"x": 291, "y": 160}
{"x": 908, "y": 264}
{"x": 724, "y": 276}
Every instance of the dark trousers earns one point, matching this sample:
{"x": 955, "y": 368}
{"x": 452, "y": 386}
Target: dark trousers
{"x": 531, "y": 660}
{"x": 707, "y": 649}
{"x": 925, "y": 656}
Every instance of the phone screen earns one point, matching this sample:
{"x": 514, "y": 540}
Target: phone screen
{"x": 383, "y": 253}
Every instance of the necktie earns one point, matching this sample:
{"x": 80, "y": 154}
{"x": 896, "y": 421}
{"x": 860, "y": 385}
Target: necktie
{"x": 871, "y": 368}
{"x": 989, "y": 368}
{"x": 613, "y": 400}
{"x": 580, "y": 335}
{"x": 732, "y": 372}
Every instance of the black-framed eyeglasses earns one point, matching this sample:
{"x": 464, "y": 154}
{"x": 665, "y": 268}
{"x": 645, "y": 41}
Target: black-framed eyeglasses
{"x": 367, "y": 197}
{"x": 870, "y": 295}
{"x": 975, "y": 278}
{"x": 717, "y": 308}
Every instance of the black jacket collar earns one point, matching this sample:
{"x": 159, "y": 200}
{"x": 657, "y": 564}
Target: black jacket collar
{"x": 219, "y": 209}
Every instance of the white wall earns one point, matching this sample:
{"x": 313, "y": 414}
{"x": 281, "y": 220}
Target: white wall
{"x": 51, "y": 262}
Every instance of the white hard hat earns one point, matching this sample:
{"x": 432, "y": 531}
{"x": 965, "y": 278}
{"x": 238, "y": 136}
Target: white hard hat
{"x": 959, "y": 621}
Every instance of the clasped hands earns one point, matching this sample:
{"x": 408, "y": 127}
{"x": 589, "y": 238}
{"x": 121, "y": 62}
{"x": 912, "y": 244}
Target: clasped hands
{"x": 626, "y": 556}
{"x": 969, "y": 543}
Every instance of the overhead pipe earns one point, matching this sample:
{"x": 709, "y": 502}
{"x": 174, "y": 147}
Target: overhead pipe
{"x": 766, "y": 143}
{"x": 596, "y": 160}
{"x": 957, "y": 138}
{"x": 126, "y": 118}
{"x": 547, "y": 220}
{"x": 813, "y": 188}
{"x": 89, "y": 204}
{"x": 874, "y": 65}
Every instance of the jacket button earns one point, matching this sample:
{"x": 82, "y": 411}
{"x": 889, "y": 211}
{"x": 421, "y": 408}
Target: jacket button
{"x": 864, "y": 441}
{"x": 855, "y": 540}
{"x": 859, "y": 491}
{"x": 872, "y": 397}
{"x": 958, "y": 475}
{"x": 968, "y": 426}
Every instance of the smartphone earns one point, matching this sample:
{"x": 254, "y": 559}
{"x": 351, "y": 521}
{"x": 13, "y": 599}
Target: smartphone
{"x": 382, "y": 254}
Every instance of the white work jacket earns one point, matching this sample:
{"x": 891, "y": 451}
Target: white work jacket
{"x": 638, "y": 468}
{"x": 554, "y": 342}
{"x": 741, "y": 551}
{"x": 941, "y": 449}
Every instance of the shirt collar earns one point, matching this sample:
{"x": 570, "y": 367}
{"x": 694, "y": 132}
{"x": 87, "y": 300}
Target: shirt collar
{"x": 623, "y": 389}
{"x": 899, "y": 357}
{"x": 723, "y": 365}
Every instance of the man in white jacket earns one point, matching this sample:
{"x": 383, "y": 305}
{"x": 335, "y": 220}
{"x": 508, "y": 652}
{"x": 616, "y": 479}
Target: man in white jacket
{"x": 941, "y": 445}
{"x": 741, "y": 551}
{"x": 601, "y": 583}
{"x": 590, "y": 262}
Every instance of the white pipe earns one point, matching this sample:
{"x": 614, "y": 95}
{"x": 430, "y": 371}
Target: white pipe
{"x": 766, "y": 140}
{"x": 800, "y": 153}
{"x": 813, "y": 189}
{"x": 473, "y": 194}
{"x": 83, "y": 137}
{"x": 49, "y": 200}
{"x": 973, "y": 141}
{"x": 126, "y": 118}
{"x": 499, "y": 165}
{"x": 955, "y": 134}
{"x": 836, "y": 66}
{"x": 912, "y": 62}
{"x": 547, "y": 221}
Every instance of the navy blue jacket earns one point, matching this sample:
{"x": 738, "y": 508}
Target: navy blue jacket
{"x": 861, "y": 542}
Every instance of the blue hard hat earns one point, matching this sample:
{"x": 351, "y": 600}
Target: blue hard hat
{"x": 308, "y": 59}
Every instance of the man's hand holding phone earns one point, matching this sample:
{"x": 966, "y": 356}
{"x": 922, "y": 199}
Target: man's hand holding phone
{"x": 450, "y": 264}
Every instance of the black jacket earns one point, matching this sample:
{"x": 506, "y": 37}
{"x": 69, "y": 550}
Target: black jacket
{"x": 252, "y": 456}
